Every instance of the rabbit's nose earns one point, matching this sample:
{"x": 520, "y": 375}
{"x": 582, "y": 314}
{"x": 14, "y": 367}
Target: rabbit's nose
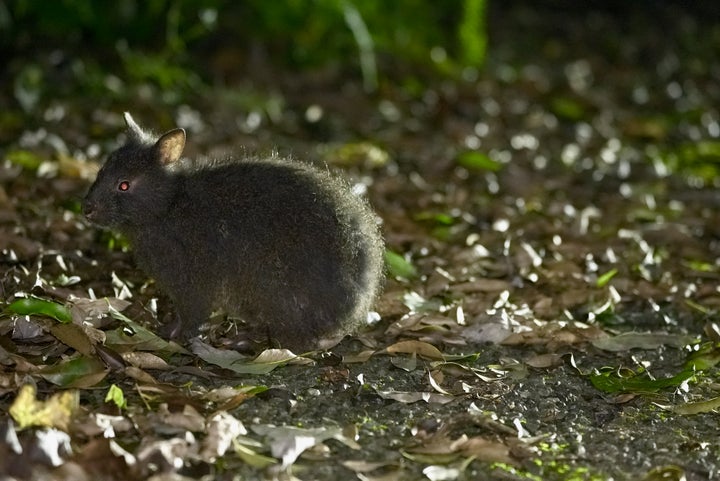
{"x": 88, "y": 208}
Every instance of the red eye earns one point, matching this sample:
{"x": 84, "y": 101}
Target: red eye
{"x": 124, "y": 186}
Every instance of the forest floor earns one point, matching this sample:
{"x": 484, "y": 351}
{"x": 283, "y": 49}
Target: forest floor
{"x": 551, "y": 304}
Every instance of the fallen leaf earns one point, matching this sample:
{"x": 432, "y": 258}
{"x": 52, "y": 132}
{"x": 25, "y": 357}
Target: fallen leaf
{"x": 222, "y": 429}
{"x": 415, "y": 347}
{"x": 406, "y": 363}
{"x": 145, "y": 360}
{"x": 412, "y": 397}
{"x": 440, "y": 447}
{"x": 250, "y": 456}
{"x": 40, "y": 307}
{"x": 540, "y": 361}
{"x": 358, "y": 357}
{"x": 56, "y": 412}
{"x": 398, "y": 266}
{"x": 78, "y": 372}
{"x": 186, "y": 420}
{"x": 362, "y": 466}
{"x": 441, "y": 473}
{"x": 265, "y": 362}
{"x": 74, "y": 336}
{"x": 639, "y": 340}
{"x": 288, "y": 443}
{"x": 698, "y": 407}
{"x": 435, "y": 378}
{"x": 51, "y": 447}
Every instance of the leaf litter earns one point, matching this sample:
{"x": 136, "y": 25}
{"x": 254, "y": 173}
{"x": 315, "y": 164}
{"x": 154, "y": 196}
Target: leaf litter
{"x": 551, "y": 285}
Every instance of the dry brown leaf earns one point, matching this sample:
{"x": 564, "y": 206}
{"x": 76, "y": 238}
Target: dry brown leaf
{"x": 412, "y": 397}
{"x": 482, "y": 448}
{"x": 362, "y": 466}
{"x": 436, "y": 378}
{"x": 486, "y": 450}
{"x": 555, "y": 334}
{"x": 482, "y": 285}
{"x": 415, "y": 347}
{"x": 361, "y": 356}
{"x": 74, "y": 336}
{"x": 540, "y": 361}
{"x": 145, "y": 360}
{"x": 139, "y": 375}
{"x": 187, "y": 420}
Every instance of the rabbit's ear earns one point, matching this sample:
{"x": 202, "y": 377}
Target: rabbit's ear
{"x": 136, "y": 134}
{"x": 170, "y": 146}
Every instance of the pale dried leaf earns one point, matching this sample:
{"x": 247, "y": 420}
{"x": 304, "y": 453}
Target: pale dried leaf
{"x": 145, "y": 360}
{"x": 412, "y": 397}
{"x": 415, "y": 347}
{"x": 222, "y": 429}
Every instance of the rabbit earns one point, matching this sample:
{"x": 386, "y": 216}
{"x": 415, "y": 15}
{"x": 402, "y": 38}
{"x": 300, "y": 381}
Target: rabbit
{"x": 280, "y": 244}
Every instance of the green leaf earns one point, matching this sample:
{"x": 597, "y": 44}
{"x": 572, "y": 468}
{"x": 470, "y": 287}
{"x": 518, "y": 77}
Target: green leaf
{"x": 357, "y": 153}
{"x": 665, "y": 473}
{"x": 398, "y": 266}
{"x": 472, "y": 33}
{"x": 116, "y": 396}
{"x": 605, "y": 278}
{"x": 40, "y": 307}
{"x": 25, "y": 159}
{"x": 79, "y": 372}
{"x": 436, "y": 218}
{"x": 705, "y": 358}
{"x": 700, "y": 266}
{"x": 698, "y": 407}
{"x": 626, "y": 380}
{"x": 265, "y": 362}
{"x": 250, "y": 456}
{"x": 609, "y": 381}
{"x": 568, "y": 108}
{"x": 474, "y": 160}
{"x": 133, "y": 335}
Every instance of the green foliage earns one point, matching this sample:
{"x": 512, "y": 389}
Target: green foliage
{"x": 101, "y": 24}
{"x": 170, "y": 43}
{"x": 626, "y": 380}
{"x": 25, "y": 159}
{"x": 312, "y": 32}
{"x": 40, "y": 307}
{"x": 72, "y": 372}
{"x": 398, "y": 266}
{"x": 615, "y": 380}
{"x": 472, "y": 34}
{"x": 116, "y": 396}
{"x": 568, "y": 108}
{"x": 699, "y": 159}
{"x": 605, "y": 278}
{"x": 477, "y": 161}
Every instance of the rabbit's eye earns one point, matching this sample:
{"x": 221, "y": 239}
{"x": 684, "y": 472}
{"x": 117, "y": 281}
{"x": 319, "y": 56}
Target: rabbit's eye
{"x": 124, "y": 186}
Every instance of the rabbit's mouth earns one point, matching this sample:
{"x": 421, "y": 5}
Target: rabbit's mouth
{"x": 93, "y": 214}
{"x": 89, "y": 210}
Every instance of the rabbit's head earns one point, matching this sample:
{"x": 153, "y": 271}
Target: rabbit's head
{"x": 136, "y": 185}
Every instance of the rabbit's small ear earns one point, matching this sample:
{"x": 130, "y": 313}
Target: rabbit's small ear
{"x": 170, "y": 146}
{"x": 136, "y": 134}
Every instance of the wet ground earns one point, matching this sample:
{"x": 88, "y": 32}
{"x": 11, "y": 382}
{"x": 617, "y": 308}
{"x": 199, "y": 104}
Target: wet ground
{"x": 540, "y": 210}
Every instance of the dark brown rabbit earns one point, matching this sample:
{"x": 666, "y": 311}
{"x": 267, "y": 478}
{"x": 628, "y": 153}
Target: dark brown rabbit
{"x": 284, "y": 246}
